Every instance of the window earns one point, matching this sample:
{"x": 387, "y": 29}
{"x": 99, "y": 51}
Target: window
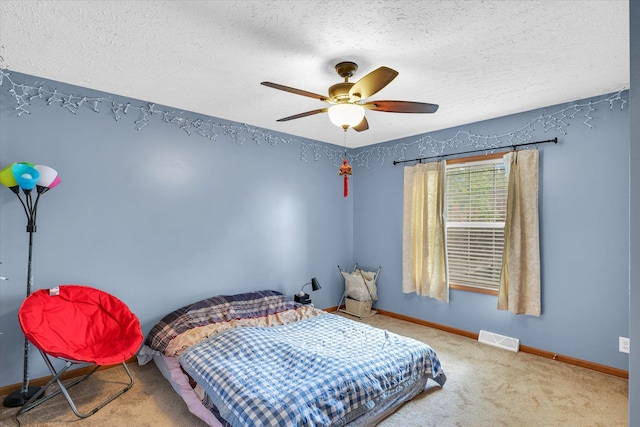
{"x": 476, "y": 206}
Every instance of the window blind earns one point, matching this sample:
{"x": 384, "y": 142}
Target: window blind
{"x": 476, "y": 205}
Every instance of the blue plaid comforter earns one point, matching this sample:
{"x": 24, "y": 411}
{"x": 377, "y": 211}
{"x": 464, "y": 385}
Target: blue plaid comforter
{"x": 315, "y": 372}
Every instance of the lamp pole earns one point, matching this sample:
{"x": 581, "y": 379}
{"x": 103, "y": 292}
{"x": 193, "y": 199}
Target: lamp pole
{"x": 20, "y": 397}
{"x": 26, "y": 176}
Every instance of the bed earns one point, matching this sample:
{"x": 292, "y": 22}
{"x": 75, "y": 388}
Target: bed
{"x": 262, "y": 359}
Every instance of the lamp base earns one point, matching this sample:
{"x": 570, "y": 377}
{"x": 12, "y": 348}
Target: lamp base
{"x": 302, "y": 299}
{"x": 18, "y": 398}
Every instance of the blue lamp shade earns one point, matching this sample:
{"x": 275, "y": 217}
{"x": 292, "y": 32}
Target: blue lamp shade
{"x": 26, "y": 175}
{"x": 48, "y": 178}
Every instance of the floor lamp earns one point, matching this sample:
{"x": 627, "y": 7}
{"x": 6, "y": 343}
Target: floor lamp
{"x": 26, "y": 176}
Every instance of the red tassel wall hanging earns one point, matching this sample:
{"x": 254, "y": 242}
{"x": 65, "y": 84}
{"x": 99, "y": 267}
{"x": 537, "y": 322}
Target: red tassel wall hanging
{"x": 345, "y": 170}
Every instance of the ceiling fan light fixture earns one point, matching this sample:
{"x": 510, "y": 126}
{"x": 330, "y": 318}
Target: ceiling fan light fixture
{"x": 346, "y": 115}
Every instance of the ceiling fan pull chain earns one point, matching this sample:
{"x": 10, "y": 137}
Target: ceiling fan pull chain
{"x": 344, "y": 143}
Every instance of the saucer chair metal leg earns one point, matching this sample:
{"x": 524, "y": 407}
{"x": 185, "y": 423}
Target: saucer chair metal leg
{"x": 36, "y": 401}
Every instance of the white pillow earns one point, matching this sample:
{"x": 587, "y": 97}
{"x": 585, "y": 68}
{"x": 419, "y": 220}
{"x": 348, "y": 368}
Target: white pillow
{"x": 355, "y": 287}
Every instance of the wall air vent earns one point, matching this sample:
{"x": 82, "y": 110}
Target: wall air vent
{"x": 500, "y": 341}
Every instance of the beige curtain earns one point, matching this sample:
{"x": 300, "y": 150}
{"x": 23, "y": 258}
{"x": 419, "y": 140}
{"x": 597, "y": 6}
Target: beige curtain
{"x": 520, "y": 275}
{"x": 424, "y": 255}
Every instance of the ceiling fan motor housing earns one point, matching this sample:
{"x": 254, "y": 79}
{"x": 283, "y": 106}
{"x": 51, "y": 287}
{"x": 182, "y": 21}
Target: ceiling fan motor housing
{"x": 339, "y": 92}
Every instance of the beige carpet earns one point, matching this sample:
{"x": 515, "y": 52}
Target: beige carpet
{"x": 486, "y": 386}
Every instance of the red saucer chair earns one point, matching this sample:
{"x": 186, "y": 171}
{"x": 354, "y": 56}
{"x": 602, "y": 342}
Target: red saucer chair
{"x": 80, "y": 326}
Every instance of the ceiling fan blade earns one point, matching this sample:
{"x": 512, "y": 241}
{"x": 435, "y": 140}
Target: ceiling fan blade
{"x": 299, "y": 116}
{"x": 401, "y": 106}
{"x": 363, "y": 125}
{"x": 295, "y": 91}
{"x": 372, "y": 83}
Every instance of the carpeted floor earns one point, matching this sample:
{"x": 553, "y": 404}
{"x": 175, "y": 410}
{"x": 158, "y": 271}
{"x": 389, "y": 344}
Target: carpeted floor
{"x": 486, "y": 386}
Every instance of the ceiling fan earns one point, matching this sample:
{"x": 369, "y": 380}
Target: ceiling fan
{"x": 347, "y": 98}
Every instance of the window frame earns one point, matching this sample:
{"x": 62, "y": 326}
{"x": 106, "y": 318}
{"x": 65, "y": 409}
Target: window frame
{"x": 459, "y": 161}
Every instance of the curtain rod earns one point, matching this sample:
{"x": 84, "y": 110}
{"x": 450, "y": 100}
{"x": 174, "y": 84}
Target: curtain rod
{"x": 420, "y": 159}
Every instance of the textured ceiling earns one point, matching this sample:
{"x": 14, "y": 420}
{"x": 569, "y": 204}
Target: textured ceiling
{"x": 476, "y": 59}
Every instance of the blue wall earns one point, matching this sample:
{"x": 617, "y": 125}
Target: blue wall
{"x": 160, "y": 218}
{"x": 584, "y": 204}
